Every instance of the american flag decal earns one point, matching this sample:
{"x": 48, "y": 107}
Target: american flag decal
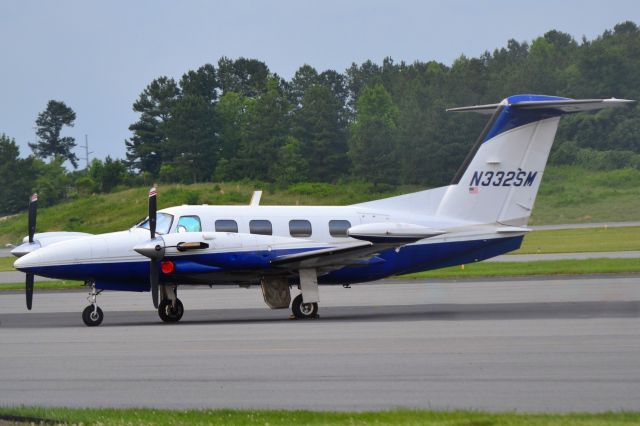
{"x": 473, "y": 190}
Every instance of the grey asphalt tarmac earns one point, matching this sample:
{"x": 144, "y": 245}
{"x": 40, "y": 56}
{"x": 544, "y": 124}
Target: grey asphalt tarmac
{"x": 526, "y": 345}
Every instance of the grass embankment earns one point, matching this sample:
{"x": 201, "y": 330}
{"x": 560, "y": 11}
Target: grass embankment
{"x": 246, "y": 417}
{"x": 577, "y": 195}
{"x": 567, "y": 195}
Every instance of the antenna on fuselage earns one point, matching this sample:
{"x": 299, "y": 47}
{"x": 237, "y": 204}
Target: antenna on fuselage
{"x": 255, "y": 198}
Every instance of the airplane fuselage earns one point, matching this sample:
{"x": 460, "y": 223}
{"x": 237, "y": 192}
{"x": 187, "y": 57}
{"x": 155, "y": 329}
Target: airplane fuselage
{"x": 243, "y": 240}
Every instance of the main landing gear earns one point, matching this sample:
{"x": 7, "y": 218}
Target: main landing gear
{"x": 304, "y": 310}
{"x": 170, "y": 308}
{"x": 92, "y": 315}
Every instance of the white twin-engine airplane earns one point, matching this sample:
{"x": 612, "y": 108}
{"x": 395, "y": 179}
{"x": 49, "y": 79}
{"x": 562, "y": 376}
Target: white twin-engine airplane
{"x": 481, "y": 214}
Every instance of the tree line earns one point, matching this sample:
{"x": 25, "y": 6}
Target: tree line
{"x": 381, "y": 123}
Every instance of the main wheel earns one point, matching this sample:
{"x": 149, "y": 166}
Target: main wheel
{"x": 303, "y": 310}
{"x": 168, "y": 313}
{"x": 92, "y": 317}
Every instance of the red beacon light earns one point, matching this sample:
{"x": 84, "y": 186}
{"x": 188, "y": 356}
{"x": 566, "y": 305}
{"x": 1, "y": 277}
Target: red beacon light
{"x": 167, "y": 267}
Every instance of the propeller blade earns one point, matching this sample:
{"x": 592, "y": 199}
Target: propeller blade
{"x": 158, "y": 251}
{"x": 33, "y": 210}
{"x": 29, "y": 290}
{"x": 153, "y": 280}
{"x": 153, "y": 208}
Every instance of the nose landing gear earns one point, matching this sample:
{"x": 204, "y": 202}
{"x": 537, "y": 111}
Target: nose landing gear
{"x": 170, "y": 312}
{"x": 170, "y": 308}
{"x": 92, "y": 315}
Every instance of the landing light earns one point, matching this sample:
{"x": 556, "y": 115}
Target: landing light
{"x": 167, "y": 267}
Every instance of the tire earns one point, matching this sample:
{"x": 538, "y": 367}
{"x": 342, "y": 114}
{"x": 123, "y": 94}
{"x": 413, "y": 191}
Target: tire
{"x": 304, "y": 310}
{"x": 91, "y": 317}
{"x": 167, "y": 313}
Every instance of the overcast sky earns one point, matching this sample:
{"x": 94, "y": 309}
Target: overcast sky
{"x": 97, "y": 56}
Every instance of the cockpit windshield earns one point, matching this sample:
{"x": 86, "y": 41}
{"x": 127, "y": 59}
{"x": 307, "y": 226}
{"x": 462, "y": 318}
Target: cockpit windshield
{"x": 163, "y": 223}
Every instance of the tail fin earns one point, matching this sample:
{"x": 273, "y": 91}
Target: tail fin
{"x": 500, "y": 177}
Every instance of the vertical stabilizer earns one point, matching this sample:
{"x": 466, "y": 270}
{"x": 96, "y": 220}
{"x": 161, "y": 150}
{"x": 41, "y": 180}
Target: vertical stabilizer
{"x": 500, "y": 178}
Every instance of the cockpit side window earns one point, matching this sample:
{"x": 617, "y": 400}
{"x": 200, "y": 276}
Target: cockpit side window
{"x": 189, "y": 224}
{"x": 163, "y": 223}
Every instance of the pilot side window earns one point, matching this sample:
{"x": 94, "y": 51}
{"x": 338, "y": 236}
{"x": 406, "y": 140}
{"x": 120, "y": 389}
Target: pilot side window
{"x": 300, "y": 228}
{"x": 189, "y": 224}
{"x": 262, "y": 227}
{"x": 338, "y": 228}
{"x": 226, "y": 225}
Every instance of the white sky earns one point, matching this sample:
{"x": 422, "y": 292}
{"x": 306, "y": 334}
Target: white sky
{"x": 97, "y": 56}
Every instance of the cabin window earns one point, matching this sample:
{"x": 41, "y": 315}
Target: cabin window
{"x": 262, "y": 227}
{"x": 189, "y": 224}
{"x": 300, "y": 228}
{"x": 226, "y": 225}
{"x": 338, "y": 228}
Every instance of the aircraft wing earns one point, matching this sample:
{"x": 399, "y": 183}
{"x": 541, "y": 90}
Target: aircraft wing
{"x": 332, "y": 258}
{"x": 375, "y": 237}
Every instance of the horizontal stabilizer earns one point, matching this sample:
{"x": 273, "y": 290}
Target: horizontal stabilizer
{"x": 560, "y": 105}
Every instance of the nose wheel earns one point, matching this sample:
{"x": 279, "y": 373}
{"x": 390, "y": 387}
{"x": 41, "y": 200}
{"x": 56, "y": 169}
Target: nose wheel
{"x": 304, "y": 310}
{"x": 92, "y": 315}
{"x": 170, "y": 311}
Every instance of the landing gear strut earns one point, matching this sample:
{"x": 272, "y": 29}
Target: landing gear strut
{"x": 304, "y": 310}
{"x": 92, "y": 315}
{"x": 170, "y": 308}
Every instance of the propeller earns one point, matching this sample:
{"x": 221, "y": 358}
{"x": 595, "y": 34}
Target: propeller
{"x": 154, "y": 265}
{"x": 33, "y": 210}
{"x": 154, "y": 248}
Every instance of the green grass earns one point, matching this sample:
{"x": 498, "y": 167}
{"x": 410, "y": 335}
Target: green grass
{"x": 45, "y": 285}
{"x": 6, "y": 263}
{"x": 572, "y": 194}
{"x": 540, "y": 267}
{"x": 138, "y": 416}
{"x": 581, "y": 240}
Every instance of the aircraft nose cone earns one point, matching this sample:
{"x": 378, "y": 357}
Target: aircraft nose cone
{"x": 153, "y": 249}
{"x": 25, "y": 261}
